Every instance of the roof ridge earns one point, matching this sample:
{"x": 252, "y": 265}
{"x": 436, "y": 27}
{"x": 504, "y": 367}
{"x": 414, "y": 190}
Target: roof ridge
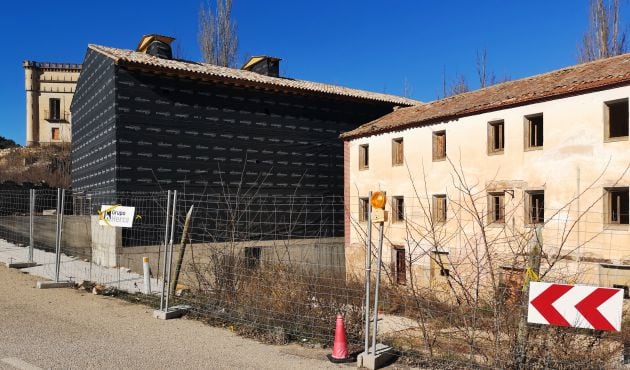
{"x": 130, "y": 56}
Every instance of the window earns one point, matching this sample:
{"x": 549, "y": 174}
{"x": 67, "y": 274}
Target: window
{"x": 364, "y": 203}
{"x": 400, "y": 265}
{"x": 252, "y": 257}
{"x": 535, "y": 207}
{"x": 439, "y": 208}
{"x": 55, "y": 133}
{"x": 398, "y": 209}
{"x": 439, "y": 145}
{"x": 616, "y": 119}
{"x": 364, "y": 157}
{"x": 616, "y": 206}
{"x": 626, "y": 292}
{"x": 534, "y": 131}
{"x": 495, "y": 137}
{"x": 397, "y": 152}
{"x": 496, "y": 207}
{"x": 440, "y": 265}
{"x": 54, "y": 109}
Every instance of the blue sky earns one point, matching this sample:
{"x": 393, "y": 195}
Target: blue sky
{"x": 369, "y": 44}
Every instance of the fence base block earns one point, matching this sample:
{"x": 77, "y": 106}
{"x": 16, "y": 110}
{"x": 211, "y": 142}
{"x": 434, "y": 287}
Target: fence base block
{"x": 172, "y": 313}
{"x": 21, "y": 265}
{"x": 383, "y": 356}
{"x": 53, "y": 285}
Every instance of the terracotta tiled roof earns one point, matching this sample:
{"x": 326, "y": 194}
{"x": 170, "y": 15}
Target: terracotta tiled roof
{"x": 194, "y": 69}
{"x": 563, "y": 82}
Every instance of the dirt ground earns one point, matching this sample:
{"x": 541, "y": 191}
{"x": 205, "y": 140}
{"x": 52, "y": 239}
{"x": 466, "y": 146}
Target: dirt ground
{"x": 68, "y": 329}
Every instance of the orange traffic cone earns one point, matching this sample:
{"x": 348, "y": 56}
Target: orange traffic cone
{"x": 340, "y": 346}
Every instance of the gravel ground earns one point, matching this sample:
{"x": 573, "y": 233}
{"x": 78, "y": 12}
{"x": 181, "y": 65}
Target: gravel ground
{"x": 65, "y": 329}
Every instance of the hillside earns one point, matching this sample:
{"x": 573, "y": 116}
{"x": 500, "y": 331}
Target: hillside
{"x": 48, "y": 165}
{"x": 7, "y": 143}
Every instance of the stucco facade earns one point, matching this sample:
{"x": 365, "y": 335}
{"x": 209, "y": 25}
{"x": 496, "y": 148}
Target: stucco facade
{"x": 49, "y": 90}
{"x": 578, "y": 174}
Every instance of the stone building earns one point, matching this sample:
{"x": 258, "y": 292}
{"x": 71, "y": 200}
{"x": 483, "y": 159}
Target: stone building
{"x": 49, "y": 91}
{"x": 483, "y": 169}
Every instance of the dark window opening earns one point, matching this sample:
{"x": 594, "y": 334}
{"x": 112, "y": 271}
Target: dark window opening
{"x": 496, "y": 207}
{"x": 252, "y": 257}
{"x": 617, "y": 200}
{"x": 363, "y": 209}
{"x": 397, "y": 152}
{"x": 445, "y": 272}
{"x": 401, "y": 271}
{"x": 626, "y": 292}
{"x": 536, "y": 207}
{"x": 617, "y": 118}
{"x": 364, "y": 157}
{"x": 535, "y": 131}
{"x": 496, "y": 136}
{"x": 398, "y": 209}
{"x": 54, "y": 112}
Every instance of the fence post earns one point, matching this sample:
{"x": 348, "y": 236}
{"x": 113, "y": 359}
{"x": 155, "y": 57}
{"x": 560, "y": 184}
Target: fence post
{"x": 31, "y": 238}
{"x": 368, "y": 273}
{"x": 57, "y": 235}
{"x": 533, "y": 262}
{"x": 377, "y": 285}
{"x": 166, "y": 225}
{"x": 170, "y": 247}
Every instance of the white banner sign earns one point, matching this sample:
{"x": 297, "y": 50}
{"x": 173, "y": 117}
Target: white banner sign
{"x": 116, "y": 215}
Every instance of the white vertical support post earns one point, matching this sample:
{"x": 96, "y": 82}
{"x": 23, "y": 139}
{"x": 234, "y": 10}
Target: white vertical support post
{"x": 166, "y": 226}
{"x": 31, "y": 237}
{"x": 147, "y": 275}
{"x": 368, "y": 273}
{"x": 57, "y": 235}
{"x": 377, "y": 286}
{"x": 169, "y": 257}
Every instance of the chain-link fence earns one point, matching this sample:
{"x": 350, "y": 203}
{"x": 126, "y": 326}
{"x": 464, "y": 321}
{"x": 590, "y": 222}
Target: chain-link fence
{"x": 454, "y": 288}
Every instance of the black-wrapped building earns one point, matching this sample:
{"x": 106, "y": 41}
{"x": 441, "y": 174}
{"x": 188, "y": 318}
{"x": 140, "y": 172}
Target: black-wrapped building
{"x": 145, "y": 122}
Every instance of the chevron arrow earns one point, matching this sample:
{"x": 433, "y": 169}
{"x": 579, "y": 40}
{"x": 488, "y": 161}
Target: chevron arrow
{"x": 544, "y": 304}
{"x": 588, "y": 307}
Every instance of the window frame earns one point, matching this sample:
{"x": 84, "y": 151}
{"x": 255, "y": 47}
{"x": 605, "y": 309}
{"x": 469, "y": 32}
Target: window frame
{"x": 364, "y": 203}
{"x": 54, "y": 130}
{"x": 529, "y": 124}
{"x": 57, "y": 109}
{"x": 398, "y": 208}
{"x": 438, "y": 155}
{"x": 398, "y": 151}
{"x": 492, "y": 134}
{"x": 400, "y": 273}
{"x": 608, "y": 207}
{"x": 530, "y": 194}
{"x": 364, "y": 157}
{"x": 607, "y": 104}
{"x": 440, "y": 211}
{"x": 500, "y": 196}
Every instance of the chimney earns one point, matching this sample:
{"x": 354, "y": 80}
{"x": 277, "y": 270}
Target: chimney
{"x": 264, "y": 65}
{"x": 156, "y": 45}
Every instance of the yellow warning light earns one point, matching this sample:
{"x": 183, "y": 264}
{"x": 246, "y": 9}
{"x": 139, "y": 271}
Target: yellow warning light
{"x": 378, "y": 200}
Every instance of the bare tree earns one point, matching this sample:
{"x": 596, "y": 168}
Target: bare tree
{"x": 606, "y": 34}
{"x": 217, "y": 37}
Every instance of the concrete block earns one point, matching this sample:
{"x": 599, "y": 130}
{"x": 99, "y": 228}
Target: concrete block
{"x": 53, "y": 285}
{"x": 21, "y": 265}
{"x": 172, "y": 313}
{"x": 383, "y": 356}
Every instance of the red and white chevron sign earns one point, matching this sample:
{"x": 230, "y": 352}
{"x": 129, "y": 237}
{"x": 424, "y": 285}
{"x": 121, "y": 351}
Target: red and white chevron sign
{"x": 578, "y": 306}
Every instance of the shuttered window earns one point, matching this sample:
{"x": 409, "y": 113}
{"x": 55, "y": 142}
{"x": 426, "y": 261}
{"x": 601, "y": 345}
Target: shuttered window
{"x": 536, "y": 207}
{"x": 398, "y": 209}
{"x": 439, "y": 208}
{"x": 534, "y": 131}
{"x": 364, "y": 157}
{"x": 363, "y": 209}
{"x": 496, "y": 137}
{"x": 616, "y": 203}
{"x": 496, "y": 207}
{"x": 439, "y": 145}
{"x": 397, "y": 152}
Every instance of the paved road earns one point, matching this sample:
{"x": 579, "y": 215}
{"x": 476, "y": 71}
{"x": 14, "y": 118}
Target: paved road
{"x": 63, "y": 329}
